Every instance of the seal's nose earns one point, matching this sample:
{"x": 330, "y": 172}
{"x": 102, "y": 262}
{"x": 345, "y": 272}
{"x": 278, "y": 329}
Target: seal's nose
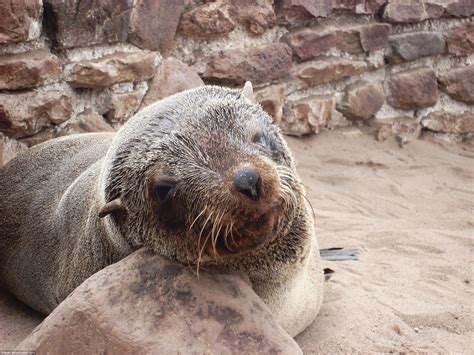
{"x": 246, "y": 181}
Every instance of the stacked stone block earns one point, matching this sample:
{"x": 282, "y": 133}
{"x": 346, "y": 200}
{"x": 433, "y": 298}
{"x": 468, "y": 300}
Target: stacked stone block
{"x": 85, "y": 66}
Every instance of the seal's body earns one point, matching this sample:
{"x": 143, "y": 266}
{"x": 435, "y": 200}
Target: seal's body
{"x": 202, "y": 177}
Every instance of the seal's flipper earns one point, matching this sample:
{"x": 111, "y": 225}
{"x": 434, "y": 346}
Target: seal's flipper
{"x": 338, "y": 254}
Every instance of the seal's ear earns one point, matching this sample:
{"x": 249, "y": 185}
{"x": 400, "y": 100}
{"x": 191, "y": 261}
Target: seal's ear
{"x": 111, "y": 207}
{"x": 247, "y": 93}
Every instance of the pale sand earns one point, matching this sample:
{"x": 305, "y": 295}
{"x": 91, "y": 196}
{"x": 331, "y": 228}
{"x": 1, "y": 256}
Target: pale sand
{"x": 410, "y": 213}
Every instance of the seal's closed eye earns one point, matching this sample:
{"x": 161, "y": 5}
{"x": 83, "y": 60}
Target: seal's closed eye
{"x": 164, "y": 189}
{"x": 261, "y": 139}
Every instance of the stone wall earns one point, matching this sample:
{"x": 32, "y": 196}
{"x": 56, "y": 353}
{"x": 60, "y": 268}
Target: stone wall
{"x": 85, "y": 66}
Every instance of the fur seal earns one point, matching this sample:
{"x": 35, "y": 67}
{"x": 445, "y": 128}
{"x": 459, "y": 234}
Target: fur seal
{"x": 202, "y": 177}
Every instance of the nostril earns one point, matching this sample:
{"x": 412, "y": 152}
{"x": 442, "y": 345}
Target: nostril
{"x": 246, "y": 181}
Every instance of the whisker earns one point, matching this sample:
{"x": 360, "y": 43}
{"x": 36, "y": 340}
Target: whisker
{"x": 190, "y": 266}
{"x": 205, "y": 223}
{"x": 227, "y": 228}
{"x": 289, "y": 192}
{"x": 199, "y": 242}
{"x": 232, "y": 234}
{"x": 213, "y": 239}
{"x": 311, "y": 206}
{"x": 195, "y": 219}
{"x": 215, "y": 233}
{"x": 200, "y": 254}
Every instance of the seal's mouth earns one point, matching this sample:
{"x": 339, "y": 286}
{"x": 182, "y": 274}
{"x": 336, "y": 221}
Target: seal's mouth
{"x": 242, "y": 233}
{"x": 250, "y": 234}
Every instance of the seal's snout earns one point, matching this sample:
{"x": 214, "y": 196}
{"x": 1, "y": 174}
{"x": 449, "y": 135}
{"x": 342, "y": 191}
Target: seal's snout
{"x": 247, "y": 181}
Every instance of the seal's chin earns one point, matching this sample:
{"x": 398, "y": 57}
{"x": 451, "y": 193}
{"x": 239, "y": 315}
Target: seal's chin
{"x": 249, "y": 233}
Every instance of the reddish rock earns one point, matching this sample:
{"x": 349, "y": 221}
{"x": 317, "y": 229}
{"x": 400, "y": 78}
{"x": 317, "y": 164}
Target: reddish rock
{"x": 403, "y": 128}
{"x": 309, "y": 43}
{"x": 434, "y": 9}
{"x": 123, "y": 106}
{"x": 20, "y": 20}
{"x": 372, "y": 6}
{"x": 258, "y": 64}
{"x": 146, "y": 304}
{"x": 256, "y": 16}
{"x": 349, "y": 5}
{"x": 383, "y": 132}
{"x": 57, "y": 107}
{"x": 38, "y": 138}
{"x": 83, "y": 23}
{"x": 413, "y": 89}
{"x": 25, "y": 114}
{"x": 364, "y": 38}
{"x": 308, "y": 115}
{"x": 459, "y": 8}
{"x": 295, "y": 11}
{"x": 87, "y": 121}
{"x": 327, "y": 70}
{"x": 461, "y": 40}
{"x": 29, "y": 69}
{"x": 171, "y": 77}
{"x": 449, "y": 122}
{"x": 295, "y": 122}
{"x": 374, "y": 36}
{"x": 369, "y": 7}
{"x": 350, "y": 41}
{"x": 271, "y": 99}
{"x": 153, "y": 23}
{"x": 208, "y": 20}
{"x": 9, "y": 148}
{"x": 362, "y": 100}
{"x": 345, "y": 4}
{"x": 411, "y": 46}
{"x": 111, "y": 69}
{"x": 459, "y": 83}
{"x": 403, "y": 12}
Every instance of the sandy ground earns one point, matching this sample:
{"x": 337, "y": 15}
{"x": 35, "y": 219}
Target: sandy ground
{"x": 410, "y": 213}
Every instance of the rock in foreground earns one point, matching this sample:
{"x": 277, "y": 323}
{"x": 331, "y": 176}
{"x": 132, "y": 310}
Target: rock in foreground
{"x": 147, "y": 304}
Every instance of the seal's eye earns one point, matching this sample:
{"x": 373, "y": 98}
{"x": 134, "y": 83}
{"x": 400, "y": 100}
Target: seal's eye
{"x": 261, "y": 139}
{"x": 163, "y": 190}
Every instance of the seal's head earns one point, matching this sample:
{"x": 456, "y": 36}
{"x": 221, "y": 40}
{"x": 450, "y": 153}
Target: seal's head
{"x": 202, "y": 175}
